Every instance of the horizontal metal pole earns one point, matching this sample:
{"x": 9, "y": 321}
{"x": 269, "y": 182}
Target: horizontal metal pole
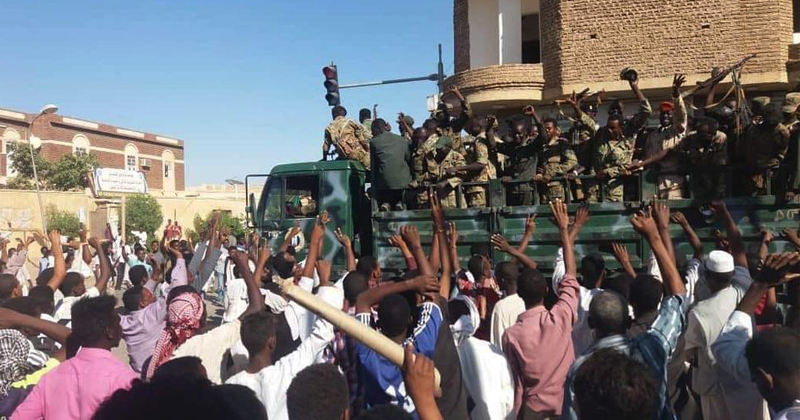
{"x": 431, "y": 77}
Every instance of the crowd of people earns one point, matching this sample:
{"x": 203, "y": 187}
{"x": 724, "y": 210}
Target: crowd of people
{"x": 703, "y": 339}
{"x": 691, "y": 150}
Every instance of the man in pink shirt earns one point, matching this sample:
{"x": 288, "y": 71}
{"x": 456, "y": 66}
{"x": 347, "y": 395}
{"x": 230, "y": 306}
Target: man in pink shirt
{"x": 539, "y": 346}
{"x": 74, "y": 389}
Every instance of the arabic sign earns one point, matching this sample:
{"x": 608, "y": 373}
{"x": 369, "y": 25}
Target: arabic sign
{"x": 120, "y": 181}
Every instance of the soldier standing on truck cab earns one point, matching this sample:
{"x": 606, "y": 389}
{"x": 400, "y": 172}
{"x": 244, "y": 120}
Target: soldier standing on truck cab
{"x": 478, "y": 168}
{"x": 557, "y": 158}
{"x": 762, "y": 148}
{"x": 523, "y": 152}
{"x": 442, "y": 169}
{"x": 614, "y": 146}
{"x": 347, "y": 137}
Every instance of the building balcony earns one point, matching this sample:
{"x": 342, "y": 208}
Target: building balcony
{"x": 506, "y": 86}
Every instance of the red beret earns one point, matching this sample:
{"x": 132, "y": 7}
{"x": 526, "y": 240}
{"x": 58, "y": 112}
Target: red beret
{"x": 666, "y": 107}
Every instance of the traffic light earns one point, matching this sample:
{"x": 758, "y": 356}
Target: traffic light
{"x": 331, "y": 85}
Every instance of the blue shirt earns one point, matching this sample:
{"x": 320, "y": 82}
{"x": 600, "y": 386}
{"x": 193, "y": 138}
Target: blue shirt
{"x": 653, "y": 348}
{"x": 382, "y": 379}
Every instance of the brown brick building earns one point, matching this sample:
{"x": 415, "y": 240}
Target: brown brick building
{"x": 159, "y": 158}
{"x": 513, "y": 52}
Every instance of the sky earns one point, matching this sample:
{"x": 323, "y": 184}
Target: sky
{"x": 239, "y": 81}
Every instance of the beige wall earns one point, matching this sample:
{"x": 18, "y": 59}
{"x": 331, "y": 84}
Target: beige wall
{"x": 21, "y": 209}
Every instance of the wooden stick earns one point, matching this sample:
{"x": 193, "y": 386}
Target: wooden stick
{"x": 364, "y": 334}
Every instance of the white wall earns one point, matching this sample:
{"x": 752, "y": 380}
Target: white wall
{"x": 509, "y": 20}
{"x": 483, "y": 33}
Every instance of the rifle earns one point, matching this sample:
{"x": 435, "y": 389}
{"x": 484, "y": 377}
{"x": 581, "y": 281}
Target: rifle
{"x": 716, "y": 78}
{"x": 375, "y": 111}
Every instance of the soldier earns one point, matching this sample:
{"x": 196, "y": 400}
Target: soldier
{"x": 704, "y": 149}
{"x": 405, "y": 124}
{"x": 670, "y": 132}
{"x": 421, "y": 146}
{"x": 442, "y": 168}
{"x": 790, "y": 173}
{"x": 614, "y": 148}
{"x": 391, "y": 174}
{"x": 479, "y": 167}
{"x": 762, "y": 148}
{"x": 365, "y": 118}
{"x": 452, "y": 126}
{"x": 523, "y": 153}
{"x": 556, "y": 159}
{"x": 581, "y": 137}
{"x": 347, "y": 137}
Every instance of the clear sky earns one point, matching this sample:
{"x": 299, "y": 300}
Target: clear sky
{"x": 239, "y": 81}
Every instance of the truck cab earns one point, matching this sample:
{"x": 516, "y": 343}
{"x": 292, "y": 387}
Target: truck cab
{"x": 295, "y": 194}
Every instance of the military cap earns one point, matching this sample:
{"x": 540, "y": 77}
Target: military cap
{"x": 409, "y": 121}
{"x": 791, "y": 102}
{"x": 761, "y": 101}
{"x": 443, "y": 142}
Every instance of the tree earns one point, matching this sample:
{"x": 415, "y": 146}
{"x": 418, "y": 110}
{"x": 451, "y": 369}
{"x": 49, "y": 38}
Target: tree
{"x": 21, "y": 164}
{"x": 143, "y": 214}
{"x": 69, "y": 173}
{"x": 68, "y": 223}
{"x": 234, "y": 225}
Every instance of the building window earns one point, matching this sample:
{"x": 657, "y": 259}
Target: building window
{"x": 80, "y": 144}
{"x": 531, "y": 46}
{"x": 131, "y": 158}
{"x": 10, "y": 136}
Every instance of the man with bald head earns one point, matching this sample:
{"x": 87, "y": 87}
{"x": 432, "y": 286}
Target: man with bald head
{"x": 610, "y": 320}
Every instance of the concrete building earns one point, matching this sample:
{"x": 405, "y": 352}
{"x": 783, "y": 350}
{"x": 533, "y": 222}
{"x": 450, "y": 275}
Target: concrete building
{"x": 509, "y": 53}
{"x": 158, "y": 157}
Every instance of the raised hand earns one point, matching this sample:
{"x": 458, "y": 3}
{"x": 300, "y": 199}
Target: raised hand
{"x": 766, "y": 236}
{"x": 94, "y": 242}
{"x": 661, "y": 213}
{"x": 719, "y": 208}
{"x": 426, "y": 284}
{"x": 530, "y": 224}
{"x": 677, "y": 81}
{"x": 419, "y": 380}
{"x": 582, "y": 216}
{"x": 643, "y": 222}
{"x": 82, "y": 235}
{"x": 775, "y": 269}
{"x": 342, "y": 238}
{"x": 55, "y": 238}
{"x": 791, "y": 235}
{"x": 410, "y": 234}
{"x": 437, "y": 212}
{"x": 679, "y": 218}
{"x": 500, "y": 242}
{"x": 453, "y": 234}
{"x": 240, "y": 258}
{"x": 397, "y": 241}
{"x": 529, "y": 110}
{"x": 560, "y": 214}
{"x": 620, "y": 252}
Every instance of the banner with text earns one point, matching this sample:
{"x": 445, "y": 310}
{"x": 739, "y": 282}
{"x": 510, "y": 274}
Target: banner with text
{"x": 120, "y": 180}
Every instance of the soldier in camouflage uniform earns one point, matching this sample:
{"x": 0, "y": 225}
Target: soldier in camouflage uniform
{"x": 479, "y": 167}
{"x": 452, "y": 126}
{"x": 614, "y": 146}
{"x": 762, "y": 147}
{"x": 365, "y": 118}
{"x": 581, "y": 137}
{"x": 422, "y": 144}
{"x": 522, "y": 149}
{"x": 347, "y": 137}
{"x": 442, "y": 169}
{"x": 556, "y": 159}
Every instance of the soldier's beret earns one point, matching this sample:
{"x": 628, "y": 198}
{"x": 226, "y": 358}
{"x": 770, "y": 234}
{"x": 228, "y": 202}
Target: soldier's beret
{"x": 443, "y": 142}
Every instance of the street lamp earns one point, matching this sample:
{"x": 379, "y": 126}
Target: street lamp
{"x": 48, "y": 109}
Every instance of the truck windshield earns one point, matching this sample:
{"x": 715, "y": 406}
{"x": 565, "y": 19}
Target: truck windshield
{"x": 301, "y": 196}
{"x": 271, "y": 200}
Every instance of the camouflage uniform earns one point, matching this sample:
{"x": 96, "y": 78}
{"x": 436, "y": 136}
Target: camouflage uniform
{"x": 367, "y": 125}
{"x": 761, "y": 148}
{"x": 581, "y": 137}
{"x": 478, "y": 152}
{"x": 612, "y": 156}
{"x": 669, "y": 186}
{"x": 556, "y": 160}
{"x": 348, "y": 137}
{"x": 419, "y": 164}
{"x": 435, "y": 172}
{"x": 703, "y": 154}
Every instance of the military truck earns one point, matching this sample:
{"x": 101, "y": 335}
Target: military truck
{"x": 293, "y": 194}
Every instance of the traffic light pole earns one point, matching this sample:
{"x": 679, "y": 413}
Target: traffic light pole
{"x": 333, "y": 87}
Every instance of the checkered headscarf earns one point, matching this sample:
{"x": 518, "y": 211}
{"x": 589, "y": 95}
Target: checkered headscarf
{"x": 14, "y": 349}
{"x": 184, "y": 314}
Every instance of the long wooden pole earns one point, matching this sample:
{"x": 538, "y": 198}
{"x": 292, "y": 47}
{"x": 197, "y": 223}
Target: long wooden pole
{"x": 366, "y": 335}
